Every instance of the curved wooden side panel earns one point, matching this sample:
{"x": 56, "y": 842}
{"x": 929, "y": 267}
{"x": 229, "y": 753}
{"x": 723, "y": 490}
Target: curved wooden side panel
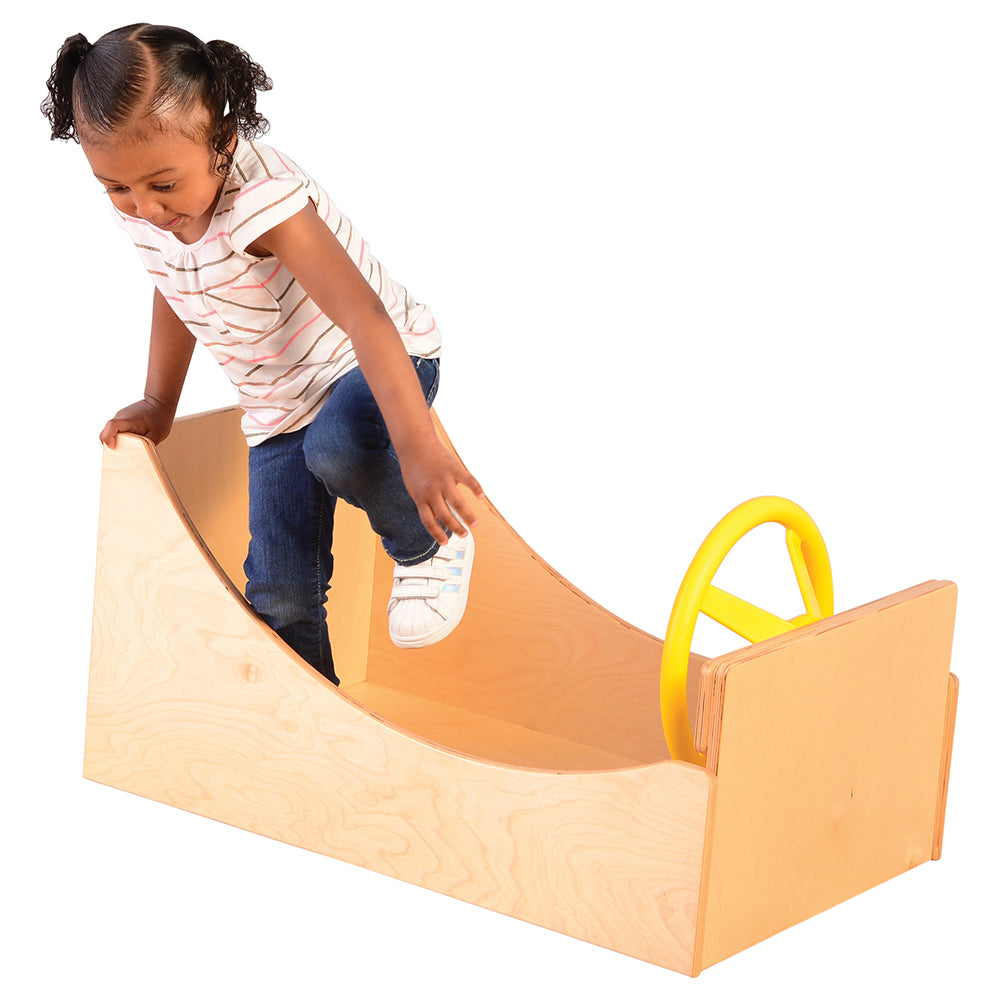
{"x": 195, "y": 703}
{"x": 532, "y": 650}
{"x": 205, "y": 462}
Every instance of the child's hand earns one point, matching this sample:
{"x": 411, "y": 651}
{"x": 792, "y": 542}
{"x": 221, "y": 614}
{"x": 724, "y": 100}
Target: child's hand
{"x": 148, "y": 418}
{"x": 432, "y": 477}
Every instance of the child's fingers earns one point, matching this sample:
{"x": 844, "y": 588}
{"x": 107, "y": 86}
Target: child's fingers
{"x": 109, "y": 436}
{"x": 461, "y": 515}
{"x": 441, "y": 503}
{"x": 453, "y": 516}
{"x": 433, "y": 524}
{"x": 470, "y": 480}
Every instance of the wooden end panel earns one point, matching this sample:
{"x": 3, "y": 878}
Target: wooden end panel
{"x": 827, "y": 743}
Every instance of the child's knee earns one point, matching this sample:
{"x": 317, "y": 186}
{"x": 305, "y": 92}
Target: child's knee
{"x": 278, "y": 607}
{"x": 338, "y": 453}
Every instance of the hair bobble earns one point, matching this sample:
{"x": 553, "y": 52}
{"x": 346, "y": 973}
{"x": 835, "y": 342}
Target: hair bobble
{"x": 75, "y": 48}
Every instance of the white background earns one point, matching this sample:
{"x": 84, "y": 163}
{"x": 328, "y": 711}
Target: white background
{"x": 682, "y": 254}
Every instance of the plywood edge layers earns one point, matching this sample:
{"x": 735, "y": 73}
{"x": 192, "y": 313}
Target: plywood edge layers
{"x": 698, "y": 963}
{"x": 946, "y": 748}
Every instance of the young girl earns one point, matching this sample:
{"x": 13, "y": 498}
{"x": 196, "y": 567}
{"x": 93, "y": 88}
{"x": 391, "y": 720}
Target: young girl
{"x": 335, "y": 363}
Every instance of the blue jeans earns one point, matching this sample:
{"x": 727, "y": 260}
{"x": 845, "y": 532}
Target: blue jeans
{"x": 295, "y": 482}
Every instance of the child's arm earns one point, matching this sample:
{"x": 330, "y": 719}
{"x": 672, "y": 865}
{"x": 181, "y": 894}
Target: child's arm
{"x": 170, "y": 348}
{"x": 432, "y": 475}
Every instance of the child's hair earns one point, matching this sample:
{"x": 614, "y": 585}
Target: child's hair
{"x": 134, "y": 77}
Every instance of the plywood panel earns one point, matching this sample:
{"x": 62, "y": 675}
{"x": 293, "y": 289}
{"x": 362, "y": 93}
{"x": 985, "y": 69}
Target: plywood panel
{"x": 827, "y": 743}
{"x": 582, "y": 673}
{"x": 518, "y": 765}
{"x": 481, "y": 735}
{"x": 205, "y": 460}
{"x": 194, "y": 703}
{"x": 205, "y": 457}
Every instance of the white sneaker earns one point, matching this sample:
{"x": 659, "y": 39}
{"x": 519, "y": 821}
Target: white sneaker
{"x": 428, "y": 599}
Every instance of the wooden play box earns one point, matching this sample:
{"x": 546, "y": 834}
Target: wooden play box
{"x": 520, "y": 764}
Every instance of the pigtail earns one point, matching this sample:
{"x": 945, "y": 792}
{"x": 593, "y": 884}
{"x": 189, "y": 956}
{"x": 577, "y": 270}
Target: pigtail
{"x": 234, "y": 82}
{"x": 58, "y": 106}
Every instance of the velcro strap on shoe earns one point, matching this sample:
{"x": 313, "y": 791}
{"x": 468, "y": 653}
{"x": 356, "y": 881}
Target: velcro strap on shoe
{"x": 421, "y": 572}
{"x": 400, "y": 593}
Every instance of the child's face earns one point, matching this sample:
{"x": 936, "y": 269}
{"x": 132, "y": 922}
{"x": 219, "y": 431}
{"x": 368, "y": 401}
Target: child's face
{"x": 164, "y": 178}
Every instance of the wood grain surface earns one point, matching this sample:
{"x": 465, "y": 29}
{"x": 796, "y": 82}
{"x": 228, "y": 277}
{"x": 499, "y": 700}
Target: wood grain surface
{"x": 520, "y": 764}
{"x": 194, "y": 702}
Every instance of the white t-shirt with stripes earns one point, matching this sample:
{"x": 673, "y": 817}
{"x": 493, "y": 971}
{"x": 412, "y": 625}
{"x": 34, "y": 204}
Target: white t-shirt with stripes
{"x": 279, "y": 350}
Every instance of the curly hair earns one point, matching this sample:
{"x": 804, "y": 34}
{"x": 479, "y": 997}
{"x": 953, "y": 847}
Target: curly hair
{"x": 142, "y": 75}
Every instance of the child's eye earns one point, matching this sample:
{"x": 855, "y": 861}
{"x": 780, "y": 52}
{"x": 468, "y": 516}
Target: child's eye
{"x": 164, "y": 187}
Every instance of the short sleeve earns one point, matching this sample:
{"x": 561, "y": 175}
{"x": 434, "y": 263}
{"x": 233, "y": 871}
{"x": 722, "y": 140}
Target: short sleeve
{"x": 265, "y": 202}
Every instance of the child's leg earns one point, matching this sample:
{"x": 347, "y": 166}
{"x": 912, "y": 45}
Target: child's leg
{"x": 347, "y": 447}
{"x": 289, "y": 563}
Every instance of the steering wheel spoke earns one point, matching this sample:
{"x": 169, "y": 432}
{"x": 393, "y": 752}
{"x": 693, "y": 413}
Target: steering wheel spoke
{"x": 806, "y": 588}
{"x": 747, "y": 620}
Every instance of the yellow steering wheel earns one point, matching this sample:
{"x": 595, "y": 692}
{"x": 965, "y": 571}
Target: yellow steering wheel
{"x": 697, "y": 595}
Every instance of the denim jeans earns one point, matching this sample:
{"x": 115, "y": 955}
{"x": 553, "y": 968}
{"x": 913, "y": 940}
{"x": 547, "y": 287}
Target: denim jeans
{"x": 295, "y": 482}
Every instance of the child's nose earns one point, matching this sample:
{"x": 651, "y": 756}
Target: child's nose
{"x": 148, "y": 207}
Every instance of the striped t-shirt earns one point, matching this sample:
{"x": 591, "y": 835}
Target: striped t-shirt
{"x": 280, "y": 351}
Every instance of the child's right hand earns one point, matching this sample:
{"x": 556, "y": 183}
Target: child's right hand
{"x": 148, "y": 418}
